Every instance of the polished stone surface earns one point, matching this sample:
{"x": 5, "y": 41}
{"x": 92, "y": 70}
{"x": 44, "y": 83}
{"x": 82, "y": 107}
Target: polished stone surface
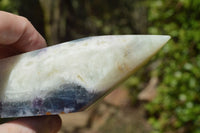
{"x": 70, "y": 76}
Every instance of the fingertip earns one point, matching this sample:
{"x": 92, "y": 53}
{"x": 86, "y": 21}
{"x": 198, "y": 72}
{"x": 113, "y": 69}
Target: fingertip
{"x": 18, "y": 32}
{"x": 33, "y": 42}
{"x": 30, "y": 39}
{"x": 41, "y": 124}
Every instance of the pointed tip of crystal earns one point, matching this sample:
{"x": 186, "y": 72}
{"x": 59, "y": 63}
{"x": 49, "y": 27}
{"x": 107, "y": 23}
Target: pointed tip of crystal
{"x": 129, "y": 53}
{"x": 159, "y": 40}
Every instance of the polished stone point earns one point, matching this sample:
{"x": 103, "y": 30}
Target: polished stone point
{"x": 71, "y": 76}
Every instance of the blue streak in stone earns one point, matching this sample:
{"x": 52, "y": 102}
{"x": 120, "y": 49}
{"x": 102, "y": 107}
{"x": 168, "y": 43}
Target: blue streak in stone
{"x": 70, "y": 98}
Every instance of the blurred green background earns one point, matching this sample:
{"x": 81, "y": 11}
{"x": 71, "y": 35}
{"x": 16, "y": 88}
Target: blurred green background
{"x": 175, "y": 69}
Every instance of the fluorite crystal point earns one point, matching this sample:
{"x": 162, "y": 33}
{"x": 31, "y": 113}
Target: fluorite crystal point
{"x": 70, "y": 76}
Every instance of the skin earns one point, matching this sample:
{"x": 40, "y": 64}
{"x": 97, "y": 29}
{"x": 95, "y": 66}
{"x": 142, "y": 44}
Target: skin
{"x": 17, "y": 35}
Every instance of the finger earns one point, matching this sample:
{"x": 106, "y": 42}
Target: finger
{"x": 42, "y": 124}
{"x": 19, "y": 32}
{"x": 7, "y": 51}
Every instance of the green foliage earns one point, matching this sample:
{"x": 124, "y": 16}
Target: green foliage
{"x": 9, "y": 5}
{"x": 177, "y": 107}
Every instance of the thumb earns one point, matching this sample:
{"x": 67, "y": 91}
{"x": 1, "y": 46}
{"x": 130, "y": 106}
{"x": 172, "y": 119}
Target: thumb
{"x": 41, "y": 124}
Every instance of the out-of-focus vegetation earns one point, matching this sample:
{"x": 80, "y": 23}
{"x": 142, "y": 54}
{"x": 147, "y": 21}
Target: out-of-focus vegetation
{"x": 64, "y": 20}
{"x": 177, "y": 105}
{"x": 6, "y": 5}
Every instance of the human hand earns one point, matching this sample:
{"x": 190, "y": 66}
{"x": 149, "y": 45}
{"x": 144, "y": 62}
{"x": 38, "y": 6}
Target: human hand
{"x": 17, "y": 35}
